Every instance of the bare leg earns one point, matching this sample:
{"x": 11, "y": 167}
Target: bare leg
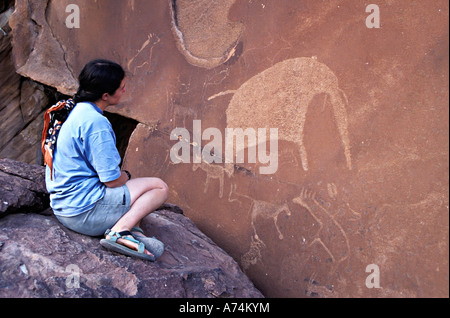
{"x": 147, "y": 194}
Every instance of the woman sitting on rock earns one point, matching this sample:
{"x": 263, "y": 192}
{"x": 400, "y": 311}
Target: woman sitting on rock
{"x": 88, "y": 191}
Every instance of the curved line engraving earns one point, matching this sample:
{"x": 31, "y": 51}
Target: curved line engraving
{"x": 279, "y": 97}
{"x": 219, "y": 37}
{"x": 330, "y": 235}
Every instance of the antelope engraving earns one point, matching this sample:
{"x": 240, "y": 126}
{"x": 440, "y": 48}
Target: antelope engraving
{"x": 214, "y": 171}
{"x": 330, "y": 235}
{"x": 266, "y": 211}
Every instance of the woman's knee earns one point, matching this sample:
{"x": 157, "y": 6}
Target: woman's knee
{"x": 164, "y": 189}
{"x": 140, "y": 186}
{"x": 160, "y": 189}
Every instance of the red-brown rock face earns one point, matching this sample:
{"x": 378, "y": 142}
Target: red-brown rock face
{"x": 351, "y": 191}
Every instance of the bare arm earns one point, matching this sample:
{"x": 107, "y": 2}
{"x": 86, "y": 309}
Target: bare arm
{"x": 118, "y": 182}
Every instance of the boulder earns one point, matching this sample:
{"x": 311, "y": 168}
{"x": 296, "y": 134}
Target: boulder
{"x": 40, "y": 258}
{"x": 22, "y": 101}
{"x": 22, "y": 187}
{"x": 42, "y": 57}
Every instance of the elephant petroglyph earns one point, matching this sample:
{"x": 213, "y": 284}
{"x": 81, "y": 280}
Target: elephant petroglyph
{"x": 279, "y": 97}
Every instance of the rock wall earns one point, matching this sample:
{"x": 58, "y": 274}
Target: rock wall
{"x": 22, "y": 102}
{"x": 359, "y": 199}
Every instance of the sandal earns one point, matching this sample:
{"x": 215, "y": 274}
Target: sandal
{"x": 111, "y": 244}
{"x": 152, "y": 244}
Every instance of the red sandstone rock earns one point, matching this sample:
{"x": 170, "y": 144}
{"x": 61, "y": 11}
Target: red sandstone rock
{"x": 39, "y": 55}
{"x": 363, "y": 152}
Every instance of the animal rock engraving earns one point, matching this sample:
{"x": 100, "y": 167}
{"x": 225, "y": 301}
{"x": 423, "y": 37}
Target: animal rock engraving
{"x": 215, "y": 172}
{"x": 279, "y": 97}
{"x": 265, "y": 211}
{"x": 330, "y": 235}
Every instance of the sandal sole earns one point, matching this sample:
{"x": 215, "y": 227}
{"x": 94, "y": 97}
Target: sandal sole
{"x": 118, "y": 248}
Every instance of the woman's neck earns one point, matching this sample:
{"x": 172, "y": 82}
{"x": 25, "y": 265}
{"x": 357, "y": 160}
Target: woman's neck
{"x": 102, "y": 104}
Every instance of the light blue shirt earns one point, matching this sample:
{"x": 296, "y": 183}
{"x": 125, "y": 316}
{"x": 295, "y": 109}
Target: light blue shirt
{"x": 84, "y": 159}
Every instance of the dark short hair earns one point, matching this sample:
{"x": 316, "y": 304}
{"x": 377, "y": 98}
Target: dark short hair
{"x": 97, "y": 78}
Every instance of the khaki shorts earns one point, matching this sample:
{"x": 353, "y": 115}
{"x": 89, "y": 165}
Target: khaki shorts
{"x": 108, "y": 210}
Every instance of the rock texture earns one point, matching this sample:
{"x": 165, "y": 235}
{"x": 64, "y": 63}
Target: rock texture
{"x": 22, "y": 187}
{"x": 40, "y": 258}
{"x": 362, "y": 117}
{"x": 203, "y": 32}
{"x": 42, "y": 57}
{"x": 22, "y": 103}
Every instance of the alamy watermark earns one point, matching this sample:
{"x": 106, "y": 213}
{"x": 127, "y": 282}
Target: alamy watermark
{"x": 73, "y": 279}
{"x": 373, "y": 20}
{"x": 373, "y": 280}
{"x": 73, "y": 19}
{"x": 237, "y": 141}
